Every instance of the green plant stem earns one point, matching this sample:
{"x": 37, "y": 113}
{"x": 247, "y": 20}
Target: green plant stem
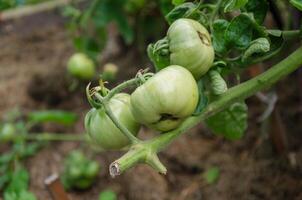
{"x": 120, "y": 87}
{"x": 121, "y": 127}
{"x": 293, "y": 34}
{"x": 214, "y": 13}
{"x": 235, "y": 94}
{"x": 54, "y": 137}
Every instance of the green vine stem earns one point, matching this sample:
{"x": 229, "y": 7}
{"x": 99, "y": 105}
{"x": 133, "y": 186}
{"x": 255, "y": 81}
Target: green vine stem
{"x": 293, "y": 34}
{"x": 214, "y": 13}
{"x": 121, "y": 127}
{"x": 140, "y": 152}
{"x": 126, "y": 84}
{"x": 53, "y": 137}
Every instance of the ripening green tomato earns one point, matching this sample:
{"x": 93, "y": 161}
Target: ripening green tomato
{"x": 7, "y": 132}
{"x": 103, "y": 131}
{"x": 190, "y": 46}
{"x": 81, "y": 66}
{"x": 166, "y": 99}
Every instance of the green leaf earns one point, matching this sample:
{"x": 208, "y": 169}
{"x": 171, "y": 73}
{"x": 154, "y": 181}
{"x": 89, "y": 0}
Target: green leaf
{"x": 297, "y": 4}
{"x": 179, "y": 11}
{"x": 159, "y": 56}
{"x": 276, "y": 44}
{"x": 218, "y": 84}
{"x": 258, "y": 46}
{"x": 219, "y": 43}
{"x": 203, "y": 100}
{"x": 87, "y": 45}
{"x": 231, "y": 5}
{"x": 165, "y": 6}
{"x": 106, "y": 11}
{"x": 177, "y": 2}
{"x": 57, "y": 116}
{"x": 259, "y": 9}
{"x": 239, "y": 32}
{"x": 212, "y": 175}
{"x": 231, "y": 123}
{"x": 19, "y": 182}
{"x": 242, "y": 29}
{"x": 107, "y": 195}
{"x": 187, "y": 10}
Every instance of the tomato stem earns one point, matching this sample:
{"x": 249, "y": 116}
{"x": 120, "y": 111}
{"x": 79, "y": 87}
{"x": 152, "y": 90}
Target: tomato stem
{"x": 124, "y": 85}
{"x": 121, "y": 127}
{"x": 53, "y": 137}
{"x": 139, "y": 152}
{"x": 214, "y": 13}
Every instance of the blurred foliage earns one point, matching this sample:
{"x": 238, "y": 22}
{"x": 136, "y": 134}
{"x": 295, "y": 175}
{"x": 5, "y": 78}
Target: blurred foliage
{"x": 79, "y": 171}
{"x": 7, "y": 4}
{"x": 138, "y": 22}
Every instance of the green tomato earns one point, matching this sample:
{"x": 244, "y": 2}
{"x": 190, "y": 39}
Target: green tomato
{"x": 7, "y": 133}
{"x": 166, "y": 99}
{"x": 81, "y": 66}
{"x": 190, "y": 46}
{"x": 109, "y": 72}
{"x": 103, "y": 131}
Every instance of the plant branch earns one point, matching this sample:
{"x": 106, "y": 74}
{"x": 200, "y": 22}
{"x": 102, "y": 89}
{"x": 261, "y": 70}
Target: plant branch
{"x": 121, "y": 87}
{"x": 54, "y": 137}
{"x": 235, "y": 94}
{"x": 214, "y": 13}
{"x": 287, "y": 35}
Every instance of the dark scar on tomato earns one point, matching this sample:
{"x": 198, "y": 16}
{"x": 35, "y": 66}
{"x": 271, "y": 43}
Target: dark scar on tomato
{"x": 204, "y": 39}
{"x": 166, "y": 116}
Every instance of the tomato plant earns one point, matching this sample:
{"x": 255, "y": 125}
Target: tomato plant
{"x": 210, "y": 42}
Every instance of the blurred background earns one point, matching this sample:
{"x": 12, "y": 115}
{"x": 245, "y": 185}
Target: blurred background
{"x": 39, "y": 95}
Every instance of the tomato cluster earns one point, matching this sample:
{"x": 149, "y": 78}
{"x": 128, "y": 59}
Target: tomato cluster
{"x": 163, "y": 101}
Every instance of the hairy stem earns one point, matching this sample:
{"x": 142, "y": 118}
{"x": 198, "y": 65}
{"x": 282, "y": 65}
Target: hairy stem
{"x": 121, "y": 127}
{"x": 54, "y": 137}
{"x": 293, "y": 34}
{"x": 121, "y": 87}
{"x": 214, "y": 13}
{"x": 235, "y": 94}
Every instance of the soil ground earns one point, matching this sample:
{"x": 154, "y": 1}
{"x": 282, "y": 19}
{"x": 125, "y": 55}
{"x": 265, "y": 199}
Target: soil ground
{"x": 33, "y": 55}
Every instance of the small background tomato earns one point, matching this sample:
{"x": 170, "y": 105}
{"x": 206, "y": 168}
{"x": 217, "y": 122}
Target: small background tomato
{"x": 81, "y": 66}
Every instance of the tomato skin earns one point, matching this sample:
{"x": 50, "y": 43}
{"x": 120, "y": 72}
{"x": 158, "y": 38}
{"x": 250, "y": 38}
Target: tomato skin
{"x": 190, "y": 46}
{"x": 103, "y": 131}
{"x": 81, "y": 66}
{"x": 166, "y": 99}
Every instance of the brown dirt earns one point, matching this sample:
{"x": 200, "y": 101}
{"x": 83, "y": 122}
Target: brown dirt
{"x": 32, "y": 64}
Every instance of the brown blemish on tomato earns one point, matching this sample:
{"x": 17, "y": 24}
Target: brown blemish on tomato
{"x": 204, "y": 39}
